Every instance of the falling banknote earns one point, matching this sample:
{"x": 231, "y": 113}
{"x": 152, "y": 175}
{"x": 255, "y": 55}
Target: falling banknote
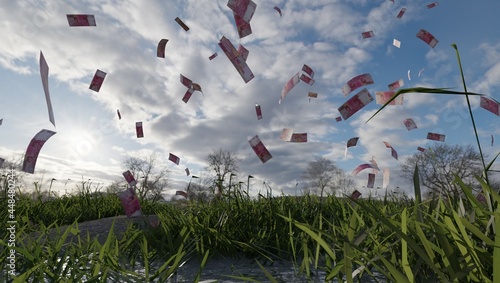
{"x": 371, "y": 180}
{"x": 299, "y": 137}
{"x": 383, "y": 96}
{"x": 138, "y": 130}
{"x": 427, "y": 37}
{"x": 355, "y": 103}
{"x": 490, "y": 105}
{"x": 260, "y": 149}
{"x": 97, "y": 81}
{"x": 410, "y": 124}
{"x": 293, "y": 81}
{"x": 76, "y": 20}
{"x": 172, "y": 157}
{"x": 397, "y": 84}
{"x": 130, "y": 203}
{"x": 436, "y": 137}
{"x": 258, "y": 111}
{"x": 34, "y": 148}
{"x": 129, "y": 178}
{"x": 44, "y": 73}
{"x": 160, "y": 50}
{"x": 357, "y": 82}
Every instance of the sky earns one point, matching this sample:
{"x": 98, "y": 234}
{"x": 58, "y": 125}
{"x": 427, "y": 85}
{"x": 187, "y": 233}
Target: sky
{"x": 91, "y": 143}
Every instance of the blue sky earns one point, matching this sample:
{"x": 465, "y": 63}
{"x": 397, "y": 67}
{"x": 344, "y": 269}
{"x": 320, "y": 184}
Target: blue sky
{"x": 91, "y": 142}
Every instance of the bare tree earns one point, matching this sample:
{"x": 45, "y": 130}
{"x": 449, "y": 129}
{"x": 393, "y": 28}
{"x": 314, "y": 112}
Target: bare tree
{"x": 322, "y": 174}
{"x": 151, "y": 179}
{"x": 222, "y": 162}
{"x": 439, "y": 164}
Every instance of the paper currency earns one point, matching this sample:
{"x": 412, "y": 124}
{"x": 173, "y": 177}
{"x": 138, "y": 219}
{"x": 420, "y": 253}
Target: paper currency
{"x": 182, "y": 24}
{"x": 293, "y": 81}
{"x": 286, "y": 134}
{"x": 243, "y": 8}
{"x": 77, "y": 20}
{"x": 130, "y": 203}
{"x": 357, "y": 82}
{"x": 187, "y": 172}
{"x": 394, "y": 153}
{"x": 371, "y": 180}
{"x": 409, "y": 78}
{"x": 306, "y": 79}
{"x": 401, "y": 13}
{"x": 97, "y": 81}
{"x": 260, "y": 149}
{"x": 432, "y": 5}
{"x": 362, "y": 167}
{"x": 187, "y": 95}
{"x": 385, "y": 180}
{"x": 397, "y": 84}
{"x": 375, "y": 165}
{"x": 160, "y": 50}
{"x": 34, "y": 148}
{"x": 367, "y": 34}
{"x": 436, "y": 137}
{"x": 238, "y": 62}
{"x": 383, "y": 96}
{"x": 44, "y": 74}
{"x": 119, "y": 115}
{"x": 258, "y": 111}
{"x": 410, "y": 124}
{"x": 1, "y": 121}
{"x": 308, "y": 71}
{"x": 396, "y": 43}
{"x": 138, "y": 130}
{"x": 172, "y": 157}
{"x": 421, "y": 149}
{"x": 338, "y": 119}
{"x": 129, "y": 178}
{"x": 427, "y": 37}
{"x": 278, "y": 10}
{"x": 243, "y": 27}
{"x": 197, "y": 87}
{"x": 312, "y": 94}
{"x": 186, "y": 82}
{"x": 299, "y": 137}
{"x": 355, "y": 103}
{"x": 212, "y": 56}
{"x": 387, "y": 145}
{"x": 355, "y": 195}
{"x": 2, "y": 160}
{"x": 420, "y": 72}
{"x": 181, "y": 193}
{"x": 243, "y": 52}
{"x": 490, "y": 105}
{"x": 492, "y": 140}
{"x": 352, "y": 142}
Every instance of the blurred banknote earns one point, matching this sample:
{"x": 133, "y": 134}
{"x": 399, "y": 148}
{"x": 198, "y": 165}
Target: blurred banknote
{"x": 355, "y": 103}
{"x": 367, "y": 34}
{"x": 293, "y": 81}
{"x": 306, "y": 79}
{"x": 383, "y": 96}
{"x": 357, "y": 82}
{"x": 385, "y": 180}
{"x": 172, "y": 157}
{"x": 427, "y": 37}
{"x": 312, "y": 94}
{"x": 44, "y": 73}
{"x": 299, "y": 137}
{"x": 355, "y": 195}
{"x": 78, "y": 20}
{"x": 129, "y": 178}
{"x": 397, "y": 84}
{"x": 187, "y": 172}
{"x": 286, "y": 134}
{"x": 260, "y": 149}
{"x": 401, "y": 13}
{"x": 212, "y": 56}
{"x": 97, "y": 81}
{"x": 160, "y": 50}
{"x": 490, "y": 105}
{"x": 243, "y": 52}
{"x": 362, "y": 167}
{"x": 277, "y": 9}
{"x": 130, "y": 203}
{"x": 421, "y": 149}
{"x": 244, "y": 28}
{"x": 238, "y": 62}
{"x": 352, "y": 142}
{"x": 308, "y": 70}
{"x": 371, "y": 180}
{"x": 258, "y": 111}
{"x": 396, "y": 43}
{"x": 181, "y": 193}
{"x": 410, "y": 124}
{"x": 119, "y": 115}
{"x": 243, "y": 8}
{"x": 432, "y": 5}
{"x": 186, "y": 82}
{"x": 34, "y": 148}
{"x": 187, "y": 95}
{"x": 182, "y": 24}
{"x": 436, "y": 137}
{"x": 138, "y": 130}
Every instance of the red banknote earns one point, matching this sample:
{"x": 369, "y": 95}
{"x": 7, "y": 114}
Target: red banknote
{"x": 160, "y": 50}
{"x": 410, "y": 124}
{"x": 355, "y": 103}
{"x": 129, "y": 178}
{"x": 97, "y": 81}
{"x": 427, "y": 37}
{"x": 357, "y": 82}
{"x": 258, "y": 111}
{"x": 299, "y": 137}
{"x": 371, "y": 180}
{"x": 34, "y": 148}
{"x": 138, "y": 130}
{"x": 182, "y": 24}
{"x": 395, "y": 85}
{"x": 172, "y": 157}
{"x": 436, "y": 137}
{"x": 78, "y": 20}
{"x": 260, "y": 149}
{"x": 130, "y": 203}
{"x": 490, "y": 105}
